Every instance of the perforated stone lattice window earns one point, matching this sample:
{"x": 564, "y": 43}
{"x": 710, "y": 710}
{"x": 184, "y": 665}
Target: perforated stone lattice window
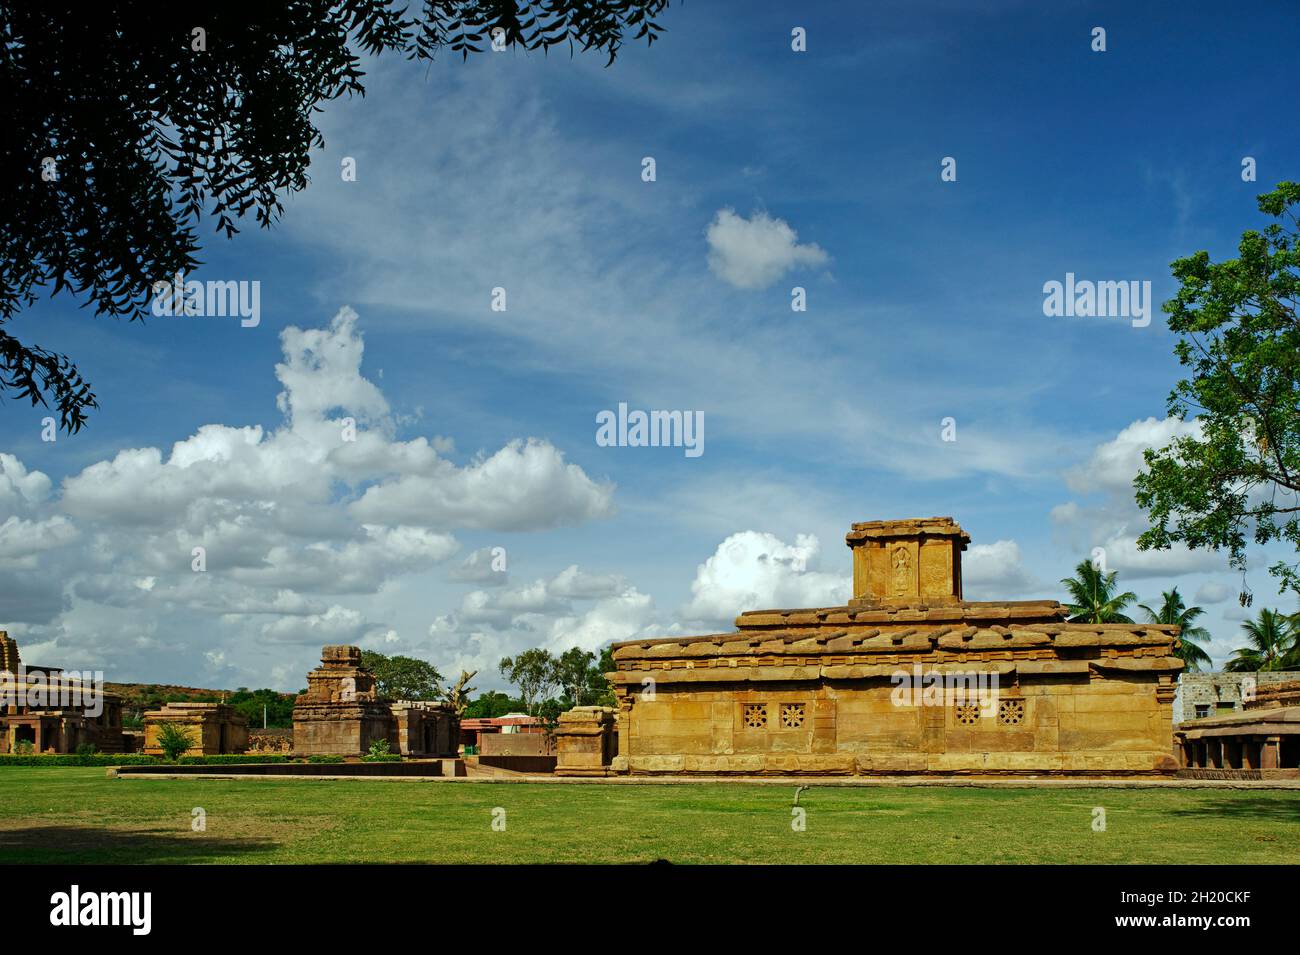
{"x": 755, "y": 716}
{"x": 1011, "y": 712}
{"x": 791, "y": 715}
{"x": 968, "y": 713}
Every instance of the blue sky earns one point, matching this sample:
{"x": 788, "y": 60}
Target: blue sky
{"x": 523, "y": 172}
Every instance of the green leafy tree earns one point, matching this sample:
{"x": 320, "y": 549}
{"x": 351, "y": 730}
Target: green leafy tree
{"x": 534, "y": 673}
{"x": 250, "y": 703}
{"x": 174, "y": 740}
{"x": 1237, "y": 478}
{"x": 574, "y": 671}
{"x": 492, "y": 704}
{"x": 1173, "y": 611}
{"x": 403, "y": 678}
{"x": 548, "y": 711}
{"x": 123, "y": 129}
{"x": 599, "y": 687}
{"x": 1272, "y": 639}
{"x": 1093, "y": 598}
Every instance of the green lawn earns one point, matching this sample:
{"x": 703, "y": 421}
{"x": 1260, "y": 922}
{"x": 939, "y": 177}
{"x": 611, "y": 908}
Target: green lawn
{"x": 71, "y": 814}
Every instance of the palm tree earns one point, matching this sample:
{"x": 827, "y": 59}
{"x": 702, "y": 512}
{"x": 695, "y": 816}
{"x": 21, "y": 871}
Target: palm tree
{"x": 1093, "y": 598}
{"x": 1272, "y": 637}
{"x": 1173, "y": 611}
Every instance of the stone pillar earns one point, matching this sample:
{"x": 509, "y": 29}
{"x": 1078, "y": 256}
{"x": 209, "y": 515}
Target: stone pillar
{"x": 623, "y": 729}
{"x": 1271, "y": 758}
{"x": 1231, "y": 752}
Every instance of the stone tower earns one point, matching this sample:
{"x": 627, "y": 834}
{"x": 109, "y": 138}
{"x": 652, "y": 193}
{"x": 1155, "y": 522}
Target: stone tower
{"x": 8, "y": 652}
{"x": 910, "y": 561}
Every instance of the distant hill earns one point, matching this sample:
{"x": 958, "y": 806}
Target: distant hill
{"x": 134, "y": 693}
{"x": 255, "y": 706}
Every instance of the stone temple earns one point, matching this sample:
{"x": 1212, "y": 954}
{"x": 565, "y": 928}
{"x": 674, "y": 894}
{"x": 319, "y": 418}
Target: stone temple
{"x": 44, "y": 710}
{"x": 908, "y": 678}
{"x": 341, "y": 714}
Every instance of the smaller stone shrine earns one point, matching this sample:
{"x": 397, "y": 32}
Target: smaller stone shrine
{"x": 215, "y": 728}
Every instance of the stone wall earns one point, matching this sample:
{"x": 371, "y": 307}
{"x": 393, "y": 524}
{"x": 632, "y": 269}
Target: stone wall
{"x": 1062, "y": 723}
{"x": 516, "y": 744}
{"x": 270, "y": 741}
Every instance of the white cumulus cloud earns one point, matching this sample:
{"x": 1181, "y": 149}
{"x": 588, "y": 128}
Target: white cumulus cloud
{"x": 755, "y": 570}
{"x": 753, "y": 253}
{"x": 300, "y": 525}
{"x": 994, "y": 571}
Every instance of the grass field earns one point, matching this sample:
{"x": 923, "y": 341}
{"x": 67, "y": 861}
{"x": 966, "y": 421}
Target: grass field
{"x": 64, "y": 815}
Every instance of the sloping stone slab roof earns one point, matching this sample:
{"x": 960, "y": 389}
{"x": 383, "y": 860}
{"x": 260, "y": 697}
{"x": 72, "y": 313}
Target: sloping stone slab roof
{"x": 906, "y": 640}
{"x": 1273, "y": 722}
{"x": 1042, "y": 611}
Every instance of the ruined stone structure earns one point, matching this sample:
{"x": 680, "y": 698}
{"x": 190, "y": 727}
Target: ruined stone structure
{"x": 45, "y": 711}
{"x": 425, "y": 729}
{"x": 341, "y": 714}
{"x": 1261, "y": 741}
{"x": 271, "y": 742}
{"x": 585, "y": 741}
{"x": 907, "y": 678}
{"x": 214, "y": 728}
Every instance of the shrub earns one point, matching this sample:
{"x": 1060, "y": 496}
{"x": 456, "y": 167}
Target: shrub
{"x": 24, "y": 748}
{"x": 69, "y": 759}
{"x": 230, "y": 758}
{"x": 325, "y": 758}
{"x": 380, "y": 753}
{"x": 86, "y": 749}
{"x": 173, "y": 740}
